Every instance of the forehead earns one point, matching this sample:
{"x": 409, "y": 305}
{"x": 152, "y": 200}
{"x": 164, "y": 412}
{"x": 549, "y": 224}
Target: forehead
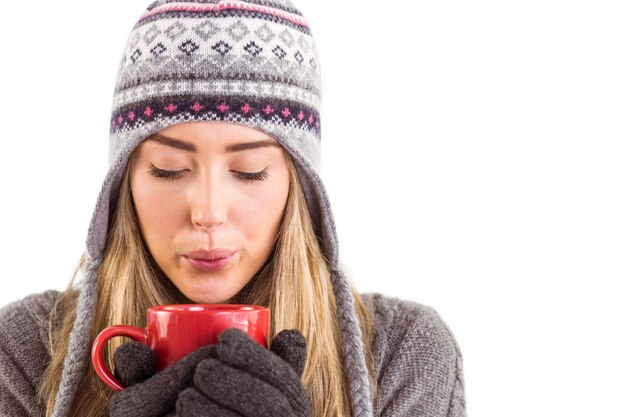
{"x": 213, "y": 130}
{"x": 209, "y": 135}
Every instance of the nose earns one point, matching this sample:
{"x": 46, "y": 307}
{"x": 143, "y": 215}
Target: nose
{"x": 209, "y": 204}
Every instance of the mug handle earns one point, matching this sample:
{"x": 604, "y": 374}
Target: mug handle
{"x": 97, "y": 351}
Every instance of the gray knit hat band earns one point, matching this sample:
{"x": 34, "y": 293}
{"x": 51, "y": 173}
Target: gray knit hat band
{"x": 127, "y": 98}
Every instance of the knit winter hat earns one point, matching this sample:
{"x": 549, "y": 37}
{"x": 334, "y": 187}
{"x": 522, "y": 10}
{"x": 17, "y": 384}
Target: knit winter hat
{"x": 251, "y": 62}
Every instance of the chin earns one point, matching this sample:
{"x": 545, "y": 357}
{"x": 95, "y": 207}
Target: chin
{"x": 209, "y": 298}
{"x": 217, "y": 289}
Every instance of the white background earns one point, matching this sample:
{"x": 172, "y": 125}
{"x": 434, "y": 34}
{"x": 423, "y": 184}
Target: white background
{"x": 473, "y": 151}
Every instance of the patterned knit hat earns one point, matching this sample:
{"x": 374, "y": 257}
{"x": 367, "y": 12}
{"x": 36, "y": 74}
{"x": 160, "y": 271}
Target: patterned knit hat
{"x": 251, "y": 62}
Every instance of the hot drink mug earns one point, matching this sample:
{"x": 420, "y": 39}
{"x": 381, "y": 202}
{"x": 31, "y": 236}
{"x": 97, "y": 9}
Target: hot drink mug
{"x": 174, "y": 331}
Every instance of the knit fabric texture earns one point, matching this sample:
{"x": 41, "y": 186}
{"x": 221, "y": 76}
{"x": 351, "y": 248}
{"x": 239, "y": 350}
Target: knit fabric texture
{"x": 248, "y": 380}
{"x": 418, "y": 363}
{"x": 236, "y": 367}
{"x": 251, "y": 62}
{"x": 157, "y": 395}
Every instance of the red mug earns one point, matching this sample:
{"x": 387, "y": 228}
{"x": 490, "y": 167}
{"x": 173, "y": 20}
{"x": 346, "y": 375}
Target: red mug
{"x": 174, "y": 331}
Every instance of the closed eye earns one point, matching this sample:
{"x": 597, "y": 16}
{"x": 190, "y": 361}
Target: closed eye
{"x": 172, "y": 175}
{"x": 162, "y": 173}
{"x": 252, "y": 176}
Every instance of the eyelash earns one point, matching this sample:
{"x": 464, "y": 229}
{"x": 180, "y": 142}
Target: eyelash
{"x": 162, "y": 173}
{"x": 173, "y": 175}
{"x": 253, "y": 176}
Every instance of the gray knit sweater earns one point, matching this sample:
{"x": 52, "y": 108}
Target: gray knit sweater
{"x": 418, "y": 362}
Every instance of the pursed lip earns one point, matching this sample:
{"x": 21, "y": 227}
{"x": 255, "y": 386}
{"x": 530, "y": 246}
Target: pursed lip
{"x": 210, "y": 255}
{"x": 209, "y": 260}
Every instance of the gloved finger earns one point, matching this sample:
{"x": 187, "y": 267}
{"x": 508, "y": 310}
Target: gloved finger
{"x": 133, "y": 362}
{"x": 191, "y": 403}
{"x": 290, "y": 345}
{"x": 237, "y": 349}
{"x": 157, "y": 395}
{"x": 240, "y": 391}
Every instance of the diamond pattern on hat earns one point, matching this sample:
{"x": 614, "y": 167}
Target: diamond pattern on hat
{"x": 265, "y": 33}
{"x": 158, "y": 49}
{"x": 298, "y": 57}
{"x": 238, "y": 30}
{"x": 304, "y": 44}
{"x": 222, "y": 47}
{"x": 135, "y": 56}
{"x": 246, "y": 39}
{"x": 150, "y": 34}
{"x": 207, "y": 30}
{"x": 188, "y": 47}
{"x": 287, "y": 37}
{"x": 175, "y": 30}
{"x": 279, "y": 52}
{"x": 253, "y": 48}
{"x": 219, "y": 47}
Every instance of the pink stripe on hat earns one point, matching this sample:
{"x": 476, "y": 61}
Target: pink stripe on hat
{"x": 225, "y": 6}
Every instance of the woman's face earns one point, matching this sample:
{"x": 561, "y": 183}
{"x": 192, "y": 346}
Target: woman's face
{"x": 210, "y": 197}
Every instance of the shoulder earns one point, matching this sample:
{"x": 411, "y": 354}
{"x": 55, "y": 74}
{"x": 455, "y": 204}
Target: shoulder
{"x": 418, "y": 360}
{"x": 28, "y": 315}
{"x": 24, "y": 350}
{"x": 398, "y": 321}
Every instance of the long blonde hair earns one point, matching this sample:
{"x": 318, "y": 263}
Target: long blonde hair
{"x": 295, "y": 284}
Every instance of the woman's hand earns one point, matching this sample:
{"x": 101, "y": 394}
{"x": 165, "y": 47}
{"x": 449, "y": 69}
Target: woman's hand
{"x": 247, "y": 380}
{"x": 150, "y": 394}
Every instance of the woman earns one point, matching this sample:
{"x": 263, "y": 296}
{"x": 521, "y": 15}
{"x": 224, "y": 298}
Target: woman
{"x": 212, "y": 196}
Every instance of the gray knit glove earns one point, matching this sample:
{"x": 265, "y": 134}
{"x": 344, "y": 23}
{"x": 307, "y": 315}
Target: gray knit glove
{"x": 150, "y": 394}
{"x": 247, "y": 380}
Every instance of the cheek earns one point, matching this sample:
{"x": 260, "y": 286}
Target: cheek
{"x": 158, "y": 213}
{"x": 265, "y": 206}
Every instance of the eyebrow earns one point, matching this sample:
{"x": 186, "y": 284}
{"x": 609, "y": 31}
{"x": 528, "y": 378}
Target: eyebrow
{"x": 190, "y": 147}
{"x": 174, "y": 143}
